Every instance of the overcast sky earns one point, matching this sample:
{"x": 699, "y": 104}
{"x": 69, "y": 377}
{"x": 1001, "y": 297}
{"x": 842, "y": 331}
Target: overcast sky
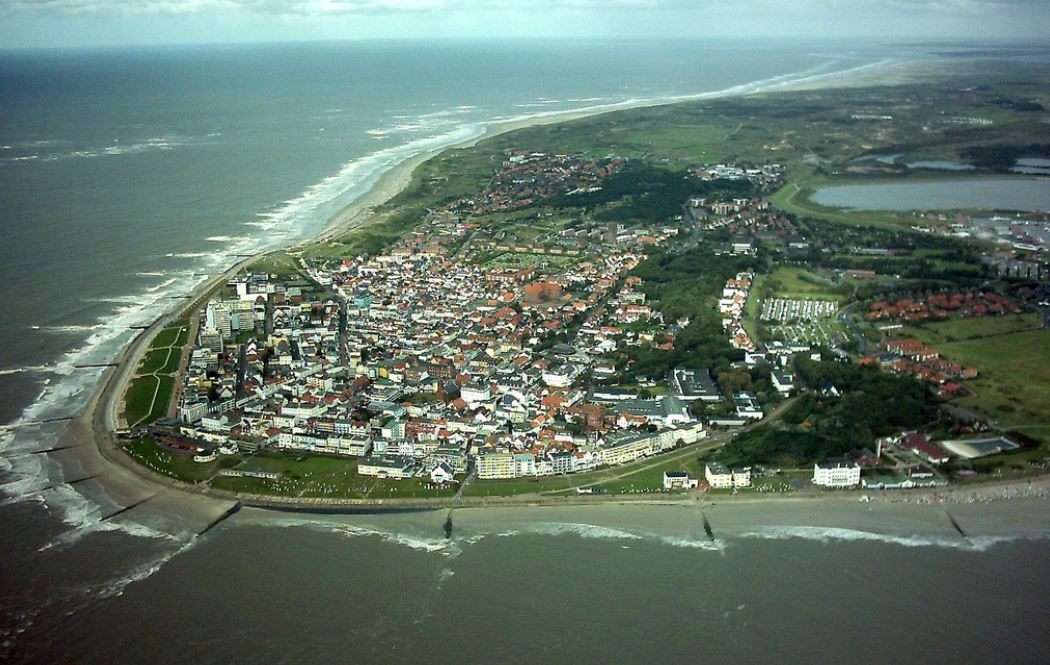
{"x": 62, "y": 23}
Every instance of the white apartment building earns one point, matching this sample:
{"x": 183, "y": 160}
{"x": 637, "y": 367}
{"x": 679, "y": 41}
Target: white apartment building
{"x": 836, "y": 473}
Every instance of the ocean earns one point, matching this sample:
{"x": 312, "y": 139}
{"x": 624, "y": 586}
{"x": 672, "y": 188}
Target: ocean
{"x": 127, "y": 176}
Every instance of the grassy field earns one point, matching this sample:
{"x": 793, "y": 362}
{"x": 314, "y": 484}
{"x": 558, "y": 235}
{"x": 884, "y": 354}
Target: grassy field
{"x": 798, "y": 283}
{"x": 172, "y": 464}
{"x": 172, "y": 335}
{"x": 140, "y": 406}
{"x": 1013, "y": 357}
{"x": 297, "y": 473}
{"x": 515, "y": 486}
{"x": 283, "y": 265}
{"x": 322, "y": 476}
{"x": 155, "y": 376}
{"x": 953, "y": 330}
{"x": 652, "y": 479}
{"x": 1014, "y": 382}
{"x": 138, "y": 400}
{"x": 277, "y": 487}
{"x": 154, "y": 361}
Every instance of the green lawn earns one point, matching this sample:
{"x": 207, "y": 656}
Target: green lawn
{"x": 174, "y": 360}
{"x": 652, "y": 479}
{"x": 140, "y": 408}
{"x": 1014, "y": 382}
{"x": 172, "y": 464}
{"x": 954, "y": 330}
{"x": 155, "y": 361}
{"x": 322, "y": 476}
{"x": 160, "y": 405}
{"x": 297, "y": 473}
{"x": 406, "y": 489}
{"x": 524, "y": 485}
{"x": 173, "y": 334}
{"x": 279, "y": 487}
{"x": 139, "y": 398}
{"x": 279, "y": 263}
{"x": 161, "y": 361}
{"x": 798, "y": 283}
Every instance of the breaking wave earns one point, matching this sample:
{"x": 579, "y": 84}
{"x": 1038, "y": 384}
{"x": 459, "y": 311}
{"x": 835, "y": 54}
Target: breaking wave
{"x": 447, "y": 547}
{"x": 60, "y": 150}
{"x": 833, "y": 534}
{"x": 452, "y": 547}
{"x": 611, "y": 533}
{"x": 115, "y": 587}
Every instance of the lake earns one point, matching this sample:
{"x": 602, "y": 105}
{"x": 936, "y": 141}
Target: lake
{"x": 983, "y": 193}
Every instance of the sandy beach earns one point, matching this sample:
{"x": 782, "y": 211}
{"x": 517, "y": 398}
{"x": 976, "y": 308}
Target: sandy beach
{"x": 124, "y": 482}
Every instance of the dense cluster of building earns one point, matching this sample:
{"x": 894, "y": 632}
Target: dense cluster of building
{"x": 953, "y": 304}
{"x": 766, "y": 175}
{"x": 731, "y": 306}
{"x": 418, "y": 364}
{"x": 431, "y": 358}
{"x": 526, "y": 177}
{"x": 910, "y": 356}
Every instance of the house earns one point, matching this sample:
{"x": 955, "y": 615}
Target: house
{"x": 475, "y": 392}
{"x": 742, "y": 476}
{"x": 863, "y": 457}
{"x": 441, "y": 474}
{"x": 678, "y": 480}
{"x": 743, "y": 246}
{"x": 607, "y": 394}
{"x": 394, "y": 466}
{"x": 836, "y": 473}
{"x": 562, "y": 462}
{"x": 784, "y": 382}
{"x": 452, "y": 456}
{"x": 747, "y": 406}
{"x": 718, "y": 476}
{"x": 918, "y": 443}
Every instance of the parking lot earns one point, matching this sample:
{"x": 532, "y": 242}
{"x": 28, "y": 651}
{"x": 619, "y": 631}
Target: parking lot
{"x": 790, "y": 310}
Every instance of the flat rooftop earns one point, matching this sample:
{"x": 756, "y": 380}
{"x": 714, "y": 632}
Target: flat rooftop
{"x": 971, "y": 448}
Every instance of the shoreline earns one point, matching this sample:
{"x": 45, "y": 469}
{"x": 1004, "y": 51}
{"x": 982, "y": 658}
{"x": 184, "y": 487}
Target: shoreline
{"x": 125, "y": 481}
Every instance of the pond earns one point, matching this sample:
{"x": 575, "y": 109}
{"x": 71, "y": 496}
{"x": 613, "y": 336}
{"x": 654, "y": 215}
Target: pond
{"x": 978, "y": 193}
{"x": 1032, "y": 165}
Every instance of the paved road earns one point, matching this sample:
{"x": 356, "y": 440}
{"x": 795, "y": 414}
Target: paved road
{"x": 463, "y": 485}
{"x": 845, "y": 315}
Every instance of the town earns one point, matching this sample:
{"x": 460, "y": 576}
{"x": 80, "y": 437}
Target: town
{"x": 466, "y": 354}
